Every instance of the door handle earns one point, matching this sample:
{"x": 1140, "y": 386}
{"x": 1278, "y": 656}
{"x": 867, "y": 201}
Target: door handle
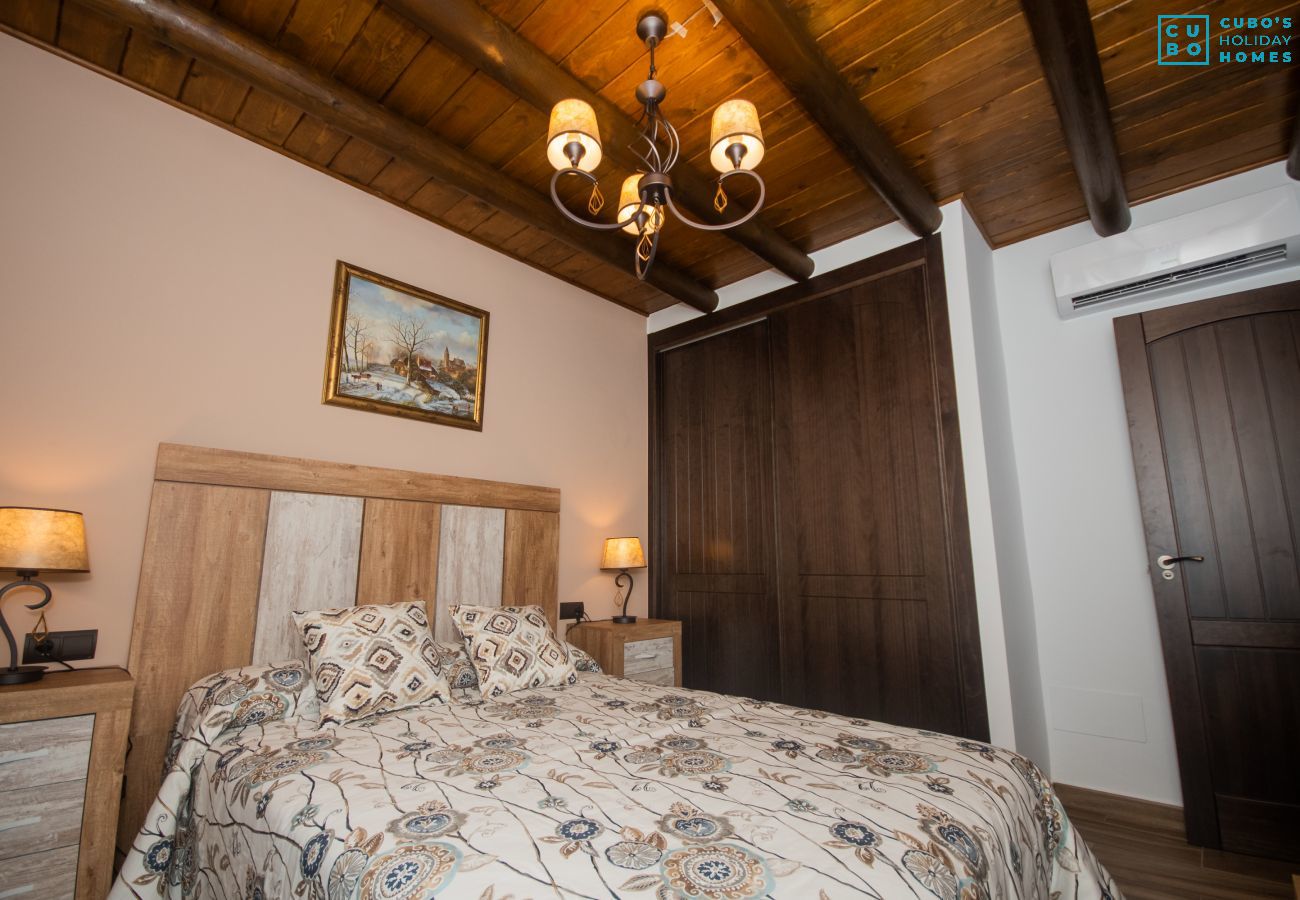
{"x": 1166, "y": 561}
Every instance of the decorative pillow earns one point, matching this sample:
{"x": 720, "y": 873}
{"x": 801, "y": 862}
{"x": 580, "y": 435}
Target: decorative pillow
{"x": 582, "y": 660}
{"x": 367, "y": 660}
{"x": 460, "y": 673}
{"x": 512, "y": 648}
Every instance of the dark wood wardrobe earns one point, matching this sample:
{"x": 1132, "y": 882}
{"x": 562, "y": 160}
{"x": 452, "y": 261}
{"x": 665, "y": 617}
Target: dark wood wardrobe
{"x": 808, "y": 511}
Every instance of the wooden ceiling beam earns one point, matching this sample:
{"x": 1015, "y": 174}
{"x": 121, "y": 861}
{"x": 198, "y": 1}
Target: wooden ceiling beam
{"x": 771, "y": 28}
{"x": 1067, "y": 49}
{"x": 1293, "y": 158}
{"x": 492, "y": 46}
{"x": 224, "y": 46}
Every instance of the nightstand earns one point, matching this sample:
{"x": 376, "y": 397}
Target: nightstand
{"x": 62, "y": 749}
{"x": 648, "y": 650}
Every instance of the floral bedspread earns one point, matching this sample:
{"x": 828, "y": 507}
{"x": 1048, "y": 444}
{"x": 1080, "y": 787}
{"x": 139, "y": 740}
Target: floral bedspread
{"x": 608, "y": 788}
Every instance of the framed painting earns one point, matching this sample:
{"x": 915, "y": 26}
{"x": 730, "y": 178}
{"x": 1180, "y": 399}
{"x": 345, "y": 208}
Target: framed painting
{"x": 402, "y": 351}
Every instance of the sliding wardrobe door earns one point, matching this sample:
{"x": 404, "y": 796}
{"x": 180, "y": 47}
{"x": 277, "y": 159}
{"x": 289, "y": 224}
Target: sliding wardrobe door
{"x": 877, "y": 612}
{"x": 714, "y": 551}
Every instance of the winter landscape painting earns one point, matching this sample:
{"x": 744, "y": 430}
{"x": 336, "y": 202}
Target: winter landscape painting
{"x": 398, "y": 350}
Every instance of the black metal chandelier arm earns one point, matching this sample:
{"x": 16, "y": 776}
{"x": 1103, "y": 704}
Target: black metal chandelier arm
{"x": 598, "y": 226}
{"x": 758, "y": 205}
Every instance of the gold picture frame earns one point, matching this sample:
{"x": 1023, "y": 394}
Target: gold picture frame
{"x": 382, "y": 355}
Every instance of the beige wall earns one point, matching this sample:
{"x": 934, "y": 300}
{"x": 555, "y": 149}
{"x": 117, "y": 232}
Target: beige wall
{"x": 164, "y": 280}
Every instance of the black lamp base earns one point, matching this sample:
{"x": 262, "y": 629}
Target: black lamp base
{"x": 623, "y": 620}
{"x": 21, "y": 674}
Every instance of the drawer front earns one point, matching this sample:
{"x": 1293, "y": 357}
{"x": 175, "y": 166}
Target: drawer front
{"x": 41, "y": 818}
{"x": 46, "y": 751}
{"x": 666, "y": 677}
{"x": 643, "y": 656}
{"x": 48, "y": 875}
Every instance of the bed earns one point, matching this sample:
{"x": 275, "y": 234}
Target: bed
{"x": 604, "y": 788}
{"x": 600, "y": 788}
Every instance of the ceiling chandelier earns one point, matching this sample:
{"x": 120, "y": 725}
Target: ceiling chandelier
{"x": 573, "y": 148}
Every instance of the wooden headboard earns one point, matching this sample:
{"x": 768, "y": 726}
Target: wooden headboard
{"x": 236, "y": 541}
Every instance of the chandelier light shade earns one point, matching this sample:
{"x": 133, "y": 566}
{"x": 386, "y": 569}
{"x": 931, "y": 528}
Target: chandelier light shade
{"x": 574, "y": 137}
{"x": 630, "y": 210}
{"x": 736, "y": 139}
{"x": 573, "y": 149}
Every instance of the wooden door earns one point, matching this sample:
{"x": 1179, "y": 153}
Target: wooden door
{"x": 1213, "y": 397}
{"x": 877, "y": 609}
{"x": 715, "y": 543}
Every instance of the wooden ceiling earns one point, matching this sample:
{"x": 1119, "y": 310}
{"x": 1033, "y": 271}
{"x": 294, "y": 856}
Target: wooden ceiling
{"x": 956, "y": 86}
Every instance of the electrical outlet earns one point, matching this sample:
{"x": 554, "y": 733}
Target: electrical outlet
{"x": 572, "y": 610}
{"x": 60, "y": 646}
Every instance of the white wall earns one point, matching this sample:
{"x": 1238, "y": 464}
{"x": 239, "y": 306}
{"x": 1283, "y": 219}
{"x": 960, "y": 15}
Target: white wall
{"x": 166, "y": 280}
{"x": 1103, "y": 674}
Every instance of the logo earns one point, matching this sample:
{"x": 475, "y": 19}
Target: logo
{"x": 1183, "y": 41}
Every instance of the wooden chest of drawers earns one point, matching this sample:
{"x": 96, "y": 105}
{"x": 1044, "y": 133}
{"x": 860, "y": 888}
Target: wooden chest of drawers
{"x": 648, "y": 650}
{"x": 62, "y": 747}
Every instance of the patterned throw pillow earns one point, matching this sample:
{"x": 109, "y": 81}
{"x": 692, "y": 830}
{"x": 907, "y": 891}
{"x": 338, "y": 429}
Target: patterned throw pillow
{"x": 367, "y": 660}
{"x": 512, "y": 648}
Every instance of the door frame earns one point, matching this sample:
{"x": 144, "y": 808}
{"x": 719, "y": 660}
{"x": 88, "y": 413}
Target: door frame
{"x": 1132, "y": 335}
{"x": 926, "y": 252}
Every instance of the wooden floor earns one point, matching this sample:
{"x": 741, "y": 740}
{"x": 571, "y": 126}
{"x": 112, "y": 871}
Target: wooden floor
{"x": 1144, "y": 847}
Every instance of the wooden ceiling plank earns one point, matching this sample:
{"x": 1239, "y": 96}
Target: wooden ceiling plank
{"x": 1135, "y": 82}
{"x": 468, "y": 214}
{"x": 528, "y": 73}
{"x": 318, "y": 34}
{"x": 399, "y": 180}
{"x": 155, "y": 66}
{"x": 208, "y": 37}
{"x": 499, "y": 228}
{"x": 843, "y": 219}
{"x": 380, "y": 52}
{"x": 777, "y": 37}
{"x": 213, "y": 92}
{"x": 614, "y": 60}
{"x": 314, "y": 140}
{"x": 435, "y": 197}
{"x": 360, "y": 162}
{"x": 92, "y": 37}
{"x": 526, "y": 241}
{"x": 1067, "y": 48}
{"x": 38, "y": 18}
{"x": 264, "y": 115}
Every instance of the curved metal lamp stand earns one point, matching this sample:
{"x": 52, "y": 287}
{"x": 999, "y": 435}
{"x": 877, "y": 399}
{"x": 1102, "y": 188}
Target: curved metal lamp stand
{"x": 624, "y": 619}
{"x": 17, "y": 674}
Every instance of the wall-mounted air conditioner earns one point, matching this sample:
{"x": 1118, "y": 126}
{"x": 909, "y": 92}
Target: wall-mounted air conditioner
{"x": 1219, "y": 243}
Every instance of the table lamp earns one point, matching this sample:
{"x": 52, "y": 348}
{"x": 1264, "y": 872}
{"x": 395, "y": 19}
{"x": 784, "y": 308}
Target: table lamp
{"x": 623, "y": 553}
{"x": 34, "y": 541}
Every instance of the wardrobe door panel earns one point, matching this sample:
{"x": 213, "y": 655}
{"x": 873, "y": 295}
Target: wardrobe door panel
{"x": 866, "y": 574}
{"x": 714, "y": 553}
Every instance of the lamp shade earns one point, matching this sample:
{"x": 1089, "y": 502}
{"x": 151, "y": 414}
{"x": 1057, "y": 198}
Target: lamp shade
{"x": 629, "y": 198}
{"x": 573, "y": 121}
{"x": 735, "y": 122}
{"x": 622, "y": 553}
{"x": 42, "y": 540}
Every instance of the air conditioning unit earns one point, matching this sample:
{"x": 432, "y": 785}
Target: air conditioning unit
{"x": 1252, "y": 234}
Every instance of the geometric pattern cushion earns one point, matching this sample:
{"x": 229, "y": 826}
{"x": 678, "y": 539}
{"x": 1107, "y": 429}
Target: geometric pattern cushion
{"x": 512, "y": 648}
{"x": 367, "y": 660}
